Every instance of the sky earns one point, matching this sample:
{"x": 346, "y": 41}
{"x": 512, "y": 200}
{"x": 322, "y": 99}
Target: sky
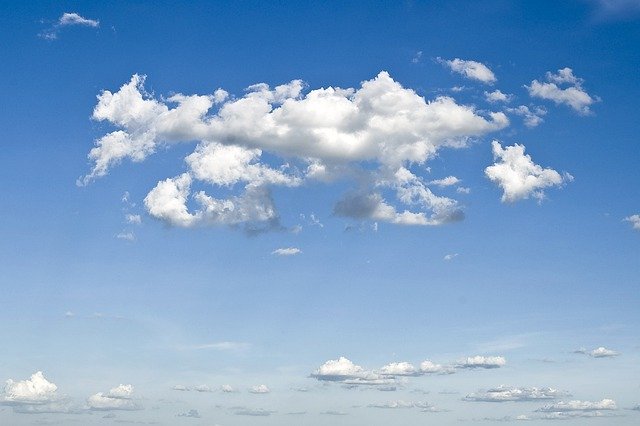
{"x": 312, "y": 213}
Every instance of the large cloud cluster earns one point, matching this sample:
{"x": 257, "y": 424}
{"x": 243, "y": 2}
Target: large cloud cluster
{"x": 375, "y": 137}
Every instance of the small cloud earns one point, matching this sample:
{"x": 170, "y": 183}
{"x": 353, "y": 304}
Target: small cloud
{"x": 257, "y": 412}
{"x": 118, "y": 398}
{"x": 126, "y": 235}
{"x": 562, "y": 406}
{"x": 134, "y": 219}
{"x": 67, "y": 20}
{"x": 497, "y": 96}
{"x": 228, "y": 389}
{"x": 417, "y": 57}
{"x": 470, "y": 69}
{"x": 463, "y": 190}
{"x": 180, "y": 388}
{"x": 447, "y": 181}
{"x": 600, "y": 352}
{"x": 191, "y": 413}
{"x": 532, "y": 117}
{"x": 289, "y": 251}
{"x": 634, "y": 220}
{"x": 451, "y": 256}
{"x": 334, "y": 413}
{"x": 69, "y": 314}
{"x": 202, "y": 388}
{"x": 573, "y": 96}
{"x": 509, "y": 393}
{"x": 487, "y": 362}
{"x": 259, "y": 389}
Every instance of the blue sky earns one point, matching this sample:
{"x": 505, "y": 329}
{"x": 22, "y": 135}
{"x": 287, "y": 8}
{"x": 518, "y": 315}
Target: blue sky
{"x": 320, "y": 213}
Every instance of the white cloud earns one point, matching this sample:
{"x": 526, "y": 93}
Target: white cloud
{"x": 482, "y": 362}
{"x": 497, "y": 96}
{"x": 259, "y": 389}
{"x": 126, "y": 235}
{"x": 325, "y": 134}
{"x": 450, "y": 256}
{"x": 634, "y": 220}
{"x": 118, "y": 398}
{"x": 463, "y": 190}
{"x": 35, "y": 390}
{"x": 75, "y": 19}
{"x": 202, "y": 388}
{"x": 134, "y": 219}
{"x": 531, "y": 117}
{"x": 344, "y": 371}
{"x": 66, "y": 20}
{"x": 429, "y": 367}
{"x": 470, "y": 69}
{"x": 289, "y": 251}
{"x": 518, "y": 176}
{"x": 191, "y": 413}
{"x": 228, "y": 389}
{"x": 258, "y": 412}
{"x": 402, "y": 404}
{"x": 447, "y": 181}
{"x": 180, "y": 388}
{"x": 399, "y": 369}
{"x": 562, "y": 406}
{"x": 509, "y": 393}
{"x": 573, "y": 96}
{"x": 600, "y": 352}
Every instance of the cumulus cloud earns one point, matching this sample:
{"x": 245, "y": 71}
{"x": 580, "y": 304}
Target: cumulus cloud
{"x": 429, "y": 367}
{"x": 634, "y": 220}
{"x": 118, "y": 398}
{"x": 470, "y": 69}
{"x": 518, "y": 176}
{"x": 573, "y": 96}
{"x": 479, "y": 361}
{"x": 36, "y": 395}
{"x": 66, "y": 20}
{"x": 600, "y": 352}
{"x": 35, "y": 390}
{"x": 562, "y": 406}
{"x": 532, "y": 117}
{"x": 288, "y": 251}
{"x": 324, "y": 135}
{"x": 260, "y": 389}
{"x": 424, "y": 406}
{"x": 344, "y": 371}
{"x": 497, "y": 96}
{"x": 509, "y": 393}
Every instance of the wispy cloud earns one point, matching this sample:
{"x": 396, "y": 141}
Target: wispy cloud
{"x": 68, "y": 20}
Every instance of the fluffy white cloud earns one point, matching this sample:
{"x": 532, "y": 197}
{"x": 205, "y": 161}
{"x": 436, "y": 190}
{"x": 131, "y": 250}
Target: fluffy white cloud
{"x": 531, "y": 117}
{"x": 202, "y": 388}
{"x": 35, "y": 390}
{"x": 509, "y": 393}
{"x": 75, "y": 19}
{"x": 634, "y": 220}
{"x": 260, "y": 389}
{"x": 605, "y": 404}
{"x": 518, "y": 176}
{"x": 471, "y": 69}
{"x": 288, "y": 251}
{"x": 479, "y": 361}
{"x": 573, "y": 96}
{"x": 600, "y": 352}
{"x": 344, "y": 371}
{"x": 118, "y": 398}
{"x": 497, "y": 96}
{"x": 327, "y": 134}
